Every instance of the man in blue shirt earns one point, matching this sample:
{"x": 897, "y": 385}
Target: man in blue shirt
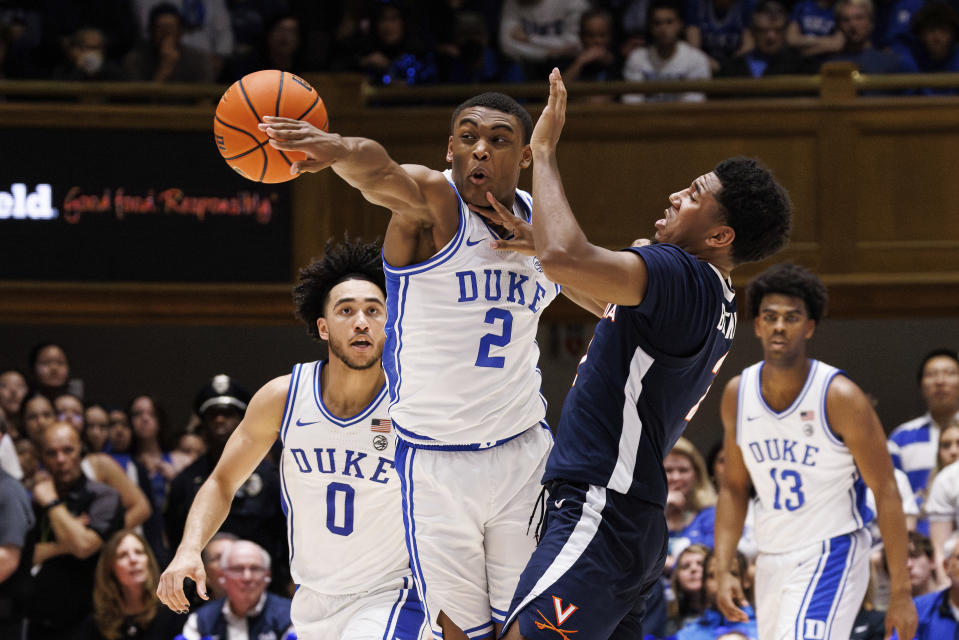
{"x": 669, "y": 318}
{"x": 939, "y": 611}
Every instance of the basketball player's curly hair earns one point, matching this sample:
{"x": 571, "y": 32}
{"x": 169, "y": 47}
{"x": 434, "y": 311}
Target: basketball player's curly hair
{"x": 348, "y": 260}
{"x": 789, "y": 280}
{"x": 756, "y": 207}
{"x": 499, "y": 102}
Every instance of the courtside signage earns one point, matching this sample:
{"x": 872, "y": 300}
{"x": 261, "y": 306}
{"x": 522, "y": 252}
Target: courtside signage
{"x": 19, "y": 203}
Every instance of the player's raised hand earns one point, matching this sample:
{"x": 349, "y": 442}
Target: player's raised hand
{"x": 286, "y": 134}
{"x": 550, "y": 124}
{"x": 185, "y": 564}
{"x": 522, "y": 232}
{"x": 730, "y": 597}
{"x": 901, "y": 616}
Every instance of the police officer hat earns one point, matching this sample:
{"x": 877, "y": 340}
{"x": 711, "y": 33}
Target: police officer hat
{"x": 221, "y": 391}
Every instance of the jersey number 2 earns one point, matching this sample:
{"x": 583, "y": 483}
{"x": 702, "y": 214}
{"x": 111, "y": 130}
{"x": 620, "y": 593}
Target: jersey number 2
{"x": 345, "y": 525}
{"x": 483, "y": 358}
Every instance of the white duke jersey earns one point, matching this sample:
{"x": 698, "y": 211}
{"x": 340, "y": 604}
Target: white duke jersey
{"x": 341, "y": 495}
{"x": 808, "y": 487}
{"x": 461, "y": 348}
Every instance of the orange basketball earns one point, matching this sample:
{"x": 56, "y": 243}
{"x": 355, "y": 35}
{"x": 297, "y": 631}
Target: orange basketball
{"x": 263, "y": 93}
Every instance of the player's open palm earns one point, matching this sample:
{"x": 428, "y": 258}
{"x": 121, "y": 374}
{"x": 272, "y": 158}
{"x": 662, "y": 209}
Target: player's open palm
{"x": 730, "y": 598}
{"x": 550, "y": 124}
{"x": 170, "y": 590}
{"x": 901, "y": 616}
{"x": 286, "y": 134}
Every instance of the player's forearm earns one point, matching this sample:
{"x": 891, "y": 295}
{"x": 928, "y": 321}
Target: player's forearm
{"x": 556, "y": 234}
{"x": 208, "y": 511}
{"x": 731, "y": 510}
{"x": 892, "y": 526}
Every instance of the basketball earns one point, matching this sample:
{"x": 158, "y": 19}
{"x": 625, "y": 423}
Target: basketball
{"x": 258, "y": 94}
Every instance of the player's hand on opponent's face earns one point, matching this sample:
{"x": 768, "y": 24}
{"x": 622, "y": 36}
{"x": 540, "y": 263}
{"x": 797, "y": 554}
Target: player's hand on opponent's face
{"x": 522, "y": 240}
{"x": 730, "y": 597}
{"x": 901, "y": 616}
{"x": 550, "y": 124}
{"x": 170, "y": 590}
{"x": 287, "y": 134}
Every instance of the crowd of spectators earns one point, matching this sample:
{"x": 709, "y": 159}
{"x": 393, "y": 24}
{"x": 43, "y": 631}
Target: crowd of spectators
{"x": 472, "y": 41}
{"x": 93, "y": 499}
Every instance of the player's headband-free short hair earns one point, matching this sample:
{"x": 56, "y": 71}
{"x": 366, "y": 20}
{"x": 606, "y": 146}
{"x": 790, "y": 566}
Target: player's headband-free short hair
{"x": 789, "y": 280}
{"x": 499, "y": 102}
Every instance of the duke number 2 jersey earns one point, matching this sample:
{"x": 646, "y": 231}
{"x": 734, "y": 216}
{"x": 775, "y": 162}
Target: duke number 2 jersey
{"x": 645, "y": 372}
{"x": 340, "y": 493}
{"x": 808, "y": 487}
{"x": 461, "y": 349}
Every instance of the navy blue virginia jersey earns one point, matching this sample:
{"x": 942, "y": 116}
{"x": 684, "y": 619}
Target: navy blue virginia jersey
{"x": 645, "y": 372}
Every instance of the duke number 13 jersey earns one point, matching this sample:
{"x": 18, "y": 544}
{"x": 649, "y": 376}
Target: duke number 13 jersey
{"x": 340, "y": 493}
{"x": 645, "y": 372}
{"x": 808, "y": 487}
{"x": 461, "y": 349}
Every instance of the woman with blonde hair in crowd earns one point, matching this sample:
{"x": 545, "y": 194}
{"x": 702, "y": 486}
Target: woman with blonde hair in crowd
{"x": 125, "y": 604}
{"x": 687, "y": 602}
{"x": 691, "y": 501}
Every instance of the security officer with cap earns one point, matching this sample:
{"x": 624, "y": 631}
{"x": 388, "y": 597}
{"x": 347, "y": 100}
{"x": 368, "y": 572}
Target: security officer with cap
{"x": 256, "y": 513}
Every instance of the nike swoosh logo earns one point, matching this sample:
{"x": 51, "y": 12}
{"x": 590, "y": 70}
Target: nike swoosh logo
{"x": 300, "y": 423}
{"x": 751, "y": 418}
{"x": 559, "y": 503}
{"x": 472, "y": 244}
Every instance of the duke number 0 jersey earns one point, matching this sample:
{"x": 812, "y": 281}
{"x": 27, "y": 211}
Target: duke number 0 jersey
{"x": 461, "y": 349}
{"x": 808, "y": 487}
{"x": 645, "y": 372}
{"x": 340, "y": 493}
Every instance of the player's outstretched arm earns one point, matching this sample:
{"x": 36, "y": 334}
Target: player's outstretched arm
{"x": 731, "y": 510}
{"x": 567, "y": 256}
{"x": 244, "y": 450}
{"x": 853, "y": 419}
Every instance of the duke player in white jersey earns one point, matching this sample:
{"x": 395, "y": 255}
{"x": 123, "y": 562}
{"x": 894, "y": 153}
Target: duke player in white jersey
{"x": 341, "y": 494}
{"x": 806, "y": 437}
{"x": 460, "y": 354}
{"x": 667, "y": 328}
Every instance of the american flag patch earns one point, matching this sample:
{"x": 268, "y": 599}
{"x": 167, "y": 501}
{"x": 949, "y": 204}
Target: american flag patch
{"x": 807, "y": 415}
{"x": 381, "y": 425}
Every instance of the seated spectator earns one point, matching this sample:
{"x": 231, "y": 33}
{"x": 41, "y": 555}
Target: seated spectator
{"x": 206, "y": 26}
{"x": 164, "y": 56}
{"x": 69, "y": 409}
{"x": 121, "y": 435}
{"x": 914, "y": 445}
{"x": 212, "y": 557}
{"x": 74, "y": 516}
{"x": 280, "y": 47}
{"x": 712, "y": 623}
{"x": 87, "y": 59}
{"x": 937, "y": 610}
{"x": 719, "y": 28}
{"x": 921, "y": 565}
{"x": 38, "y": 414}
{"x": 255, "y": 513}
{"x": 247, "y": 610}
{"x": 936, "y": 27}
{"x": 691, "y": 501}
{"x": 149, "y": 423}
{"x": 470, "y": 59}
{"x": 939, "y": 526}
{"x": 597, "y": 60}
{"x": 631, "y": 19}
{"x": 894, "y": 24}
{"x": 813, "y": 30}
{"x": 13, "y": 391}
{"x": 667, "y": 57}
{"x": 772, "y": 54}
{"x": 686, "y": 584}
{"x": 50, "y": 369}
{"x": 96, "y": 428}
{"x": 125, "y": 604}
{"x": 390, "y": 52}
{"x": 541, "y": 34}
{"x": 16, "y": 521}
{"x": 28, "y": 455}
{"x": 855, "y": 21}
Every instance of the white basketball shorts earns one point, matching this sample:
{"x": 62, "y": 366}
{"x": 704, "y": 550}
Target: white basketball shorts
{"x": 815, "y": 592}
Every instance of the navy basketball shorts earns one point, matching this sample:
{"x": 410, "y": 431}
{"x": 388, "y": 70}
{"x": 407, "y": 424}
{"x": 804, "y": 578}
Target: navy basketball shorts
{"x": 596, "y": 563}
